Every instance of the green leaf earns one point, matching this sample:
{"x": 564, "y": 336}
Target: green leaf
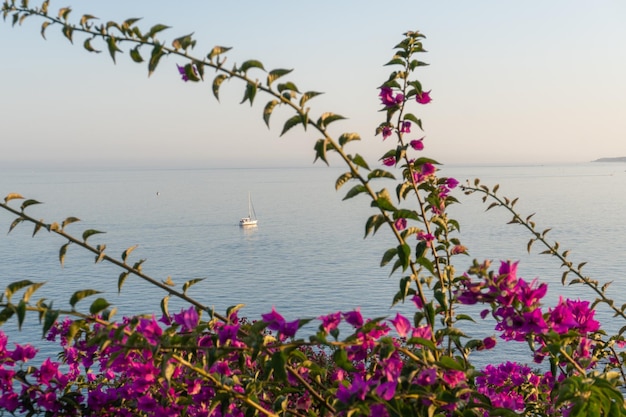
{"x": 252, "y": 63}
{"x": 307, "y": 96}
{"x": 404, "y": 254}
{"x": 278, "y": 366}
{"x": 276, "y": 74}
{"x": 388, "y": 256}
{"x": 31, "y": 290}
{"x": 411, "y": 117}
{"x": 267, "y": 111}
{"x": 7, "y": 313}
{"x": 98, "y": 305}
{"x": 358, "y": 159}
{"x": 327, "y": 118}
{"x": 383, "y": 201}
{"x": 373, "y": 224}
{"x": 155, "y": 57}
{"x": 184, "y": 42}
{"x": 189, "y": 283}
{"x": 356, "y": 190}
{"x": 348, "y": 137}
{"x": 120, "y": 281}
{"x": 321, "y": 146}
{"x": 44, "y": 25}
{"x": 164, "y": 306}
{"x": 79, "y": 295}
{"x": 21, "y": 313}
{"x": 128, "y": 252}
{"x": 233, "y": 309}
{"x": 291, "y": 122}
{"x": 250, "y": 93}
{"x": 288, "y": 86}
{"x": 343, "y": 178}
{"x": 49, "y": 319}
{"x": 27, "y": 203}
{"x": 216, "y": 51}
{"x": 156, "y": 29}
{"x": 380, "y": 173}
{"x": 217, "y": 82}
{"x": 340, "y": 357}
{"x": 62, "y": 253}
{"x": 88, "y": 47}
{"x": 135, "y": 55}
{"x": 16, "y": 286}
{"x": 90, "y": 232}
{"x": 69, "y": 220}
{"x": 113, "y": 49}
{"x": 15, "y": 223}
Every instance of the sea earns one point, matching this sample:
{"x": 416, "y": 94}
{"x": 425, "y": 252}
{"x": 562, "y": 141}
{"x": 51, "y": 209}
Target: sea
{"x": 308, "y": 256}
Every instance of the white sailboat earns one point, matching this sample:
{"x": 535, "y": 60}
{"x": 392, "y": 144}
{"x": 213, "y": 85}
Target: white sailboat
{"x": 251, "y": 219}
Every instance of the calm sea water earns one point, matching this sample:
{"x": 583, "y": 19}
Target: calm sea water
{"x": 307, "y": 257}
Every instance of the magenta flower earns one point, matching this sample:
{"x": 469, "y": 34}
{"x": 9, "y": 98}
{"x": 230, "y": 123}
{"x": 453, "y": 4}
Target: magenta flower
{"x": 400, "y": 224}
{"x": 183, "y": 73}
{"x": 426, "y": 237}
{"x": 387, "y": 98}
{"x": 354, "y": 317}
{"x": 427, "y": 376}
{"x": 423, "y": 332}
{"x": 489, "y": 342}
{"x": 187, "y": 319}
{"x": 423, "y": 97}
{"x": 406, "y": 127}
{"x": 389, "y": 161}
{"x": 273, "y": 319}
{"x": 387, "y": 390}
{"x": 451, "y": 183}
{"x": 289, "y": 328}
{"x": 417, "y": 301}
{"x": 453, "y": 378}
{"x": 417, "y": 144}
{"x": 23, "y": 353}
{"x": 331, "y": 321}
{"x": 387, "y": 131}
{"x": 150, "y": 329}
{"x": 402, "y": 324}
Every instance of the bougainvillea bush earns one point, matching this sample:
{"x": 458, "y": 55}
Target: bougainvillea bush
{"x": 200, "y": 362}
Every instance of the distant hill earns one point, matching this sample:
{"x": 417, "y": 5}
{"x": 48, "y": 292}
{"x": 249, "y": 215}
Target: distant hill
{"x": 620, "y": 159}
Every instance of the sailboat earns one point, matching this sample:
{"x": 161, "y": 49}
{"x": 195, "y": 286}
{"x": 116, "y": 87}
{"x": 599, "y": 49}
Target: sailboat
{"x": 251, "y": 219}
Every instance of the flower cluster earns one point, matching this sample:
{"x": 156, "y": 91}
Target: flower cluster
{"x": 516, "y": 305}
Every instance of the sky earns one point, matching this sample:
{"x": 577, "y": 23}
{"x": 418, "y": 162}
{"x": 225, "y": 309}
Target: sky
{"x": 531, "y": 82}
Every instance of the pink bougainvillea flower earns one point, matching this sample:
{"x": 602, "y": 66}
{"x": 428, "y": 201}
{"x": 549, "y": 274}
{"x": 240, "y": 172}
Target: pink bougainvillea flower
{"x": 389, "y": 161}
{"x": 402, "y": 324}
{"x": 417, "y": 144}
{"x": 289, "y": 328}
{"x": 452, "y": 182}
{"x": 406, "y": 127}
{"x": 354, "y": 317}
{"x": 273, "y": 319}
{"x": 149, "y": 328}
{"x": 187, "y": 319}
{"x": 386, "y": 96}
{"x": 423, "y": 97}
{"x": 400, "y": 224}
{"x": 387, "y": 131}
{"x": 417, "y": 301}
{"x": 489, "y": 342}
{"x": 426, "y": 237}
{"x": 387, "y": 390}
{"x": 331, "y": 321}
{"x": 427, "y": 376}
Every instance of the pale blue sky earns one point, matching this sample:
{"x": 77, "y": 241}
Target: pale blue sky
{"x": 513, "y": 82}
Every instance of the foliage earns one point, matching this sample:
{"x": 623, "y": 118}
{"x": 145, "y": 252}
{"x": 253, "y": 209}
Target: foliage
{"x": 198, "y": 362}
